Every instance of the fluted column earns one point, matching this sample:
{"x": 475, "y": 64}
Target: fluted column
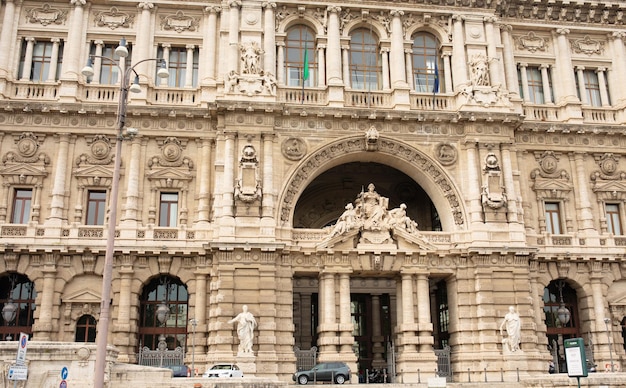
{"x": 345, "y": 318}
{"x": 327, "y": 329}
{"x": 604, "y": 96}
{"x": 228, "y": 189}
{"x": 44, "y": 325}
{"x": 564, "y": 67}
{"x": 141, "y": 48}
{"x": 618, "y": 65}
{"x": 132, "y": 189}
{"x": 492, "y": 52}
{"x": 333, "y": 54}
{"x": 396, "y": 53}
{"x": 6, "y": 35}
{"x": 472, "y": 178}
{"x": 458, "y": 52}
{"x": 203, "y": 181}
{"x": 57, "y": 203}
{"x": 28, "y": 59}
{"x": 545, "y": 83}
{"x": 321, "y": 69}
{"x": 54, "y": 60}
{"x": 583, "y": 201}
{"x": 210, "y": 43}
{"x": 408, "y": 315}
{"x": 385, "y": 67}
{"x": 74, "y": 42}
{"x": 269, "y": 37}
{"x": 524, "y": 74}
{"x": 233, "y": 35}
{"x": 510, "y": 71}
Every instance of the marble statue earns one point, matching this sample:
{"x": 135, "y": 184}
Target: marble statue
{"x": 245, "y": 330}
{"x": 513, "y": 326}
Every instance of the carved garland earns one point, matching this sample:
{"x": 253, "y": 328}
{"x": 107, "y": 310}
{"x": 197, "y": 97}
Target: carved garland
{"x": 386, "y": 146}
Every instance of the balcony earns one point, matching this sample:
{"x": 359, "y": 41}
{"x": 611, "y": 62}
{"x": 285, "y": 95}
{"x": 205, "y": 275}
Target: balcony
{"x": 28, "y": 90}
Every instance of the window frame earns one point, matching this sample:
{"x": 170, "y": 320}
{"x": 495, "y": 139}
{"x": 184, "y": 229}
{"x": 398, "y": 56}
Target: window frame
{"x": 365, "y": 64}
{"x": 424, "y": 58}
{"x": 26, "y": 211}
{"x": 100, "y": 207}
{"x": 297, "y": 39}
{"x": 614, "y": 218}
{"x": 169, "y": 204}
{"x": 554, "y": 217}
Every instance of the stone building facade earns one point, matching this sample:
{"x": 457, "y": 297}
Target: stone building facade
{"x": 378, "y": 179}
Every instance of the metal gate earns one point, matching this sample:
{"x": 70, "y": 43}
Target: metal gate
{"x": 161, "y": 356}
{"x": 444, "y": 368}
{"x": 391, "y": 363}
{"x": 305, "y": 359}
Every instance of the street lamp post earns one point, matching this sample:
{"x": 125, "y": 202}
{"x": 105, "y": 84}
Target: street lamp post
{"x": 608, "y": 334}
{"x": 103, "y": 324}
{"x": 194, "y": 323}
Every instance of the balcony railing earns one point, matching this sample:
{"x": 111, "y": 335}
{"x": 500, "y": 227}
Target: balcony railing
{"x": 100, "y": 93}
{"x": 541, "y": 112}
{"x": 298, "y": 96}
{"x": 178, "y": 96}
{"x": 431, "y": 102}
{"x": 599, "y": 115}
{"x": 368, "y": 99}
{"x": 28, "y": 90}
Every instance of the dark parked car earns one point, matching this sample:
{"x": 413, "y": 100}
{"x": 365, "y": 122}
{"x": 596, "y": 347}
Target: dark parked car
{"x": 179, "y": 370}
{"x": 325, "y": 371}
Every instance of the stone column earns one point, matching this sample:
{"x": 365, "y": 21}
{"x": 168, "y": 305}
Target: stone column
{"x": 564, "y": 67}
{"x": 132, "y": 189}
{"x": 510, "y": 70}
{"x": 327, "y": 329}
{"x": 280, "y": 53}
{"x": 604, "y": 96}
{"x": 204, "y": 194}
{"x": 378, "y": 348}
{"x": 44, "y": 327}
{"x": 346, "y": 340}
{"x": 582, "y": 89}
{"x": 618, "y": 65}
{"x": 492, "y": 53}
{"x": 408, "y": 326}
{"x": 396, "y": 54}
{"x": 74, "y": 42}
{"x": 447, "y": 71}
{"x": 6, "y": 36}
{"x": 54, "y": 60}
{"x": 321, "y": 68}
{"x": 524, "y": 74}
{"x": 583, "y": 203}
{"x": 408, "y": 59}
{"x": 189, "y": 66}
{"x": 473, "y": 188}
{"x": 269, "y": 37}
{"x": 509, "y": 183}
{"x": 97, "y": 62}
{"x": 425, "y": 326}
{"x": 123, "y": 335}
{"x": 599, "y": 304}
{"x": 228, "y": 188}
{"x": 545, "y": 83}
{"x": 385, "y": 67}
{"x": 333, "y": 54}
{"x": 57, "y": 203}
{"x": 345, "y": 54}
{"x": 141, "y": 48}
{"x": 233, "y": 35}
{"x": 210, "y": 43}
{"x": 200, "y": 314}
{"x": 268, "y": 178}
{"x": 166, "y": 55}
{"x": 458, "y": 52}
{"x": 28, "y": 59}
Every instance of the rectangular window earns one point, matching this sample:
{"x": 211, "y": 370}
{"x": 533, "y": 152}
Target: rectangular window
{"x": 40, "y": 61}
{"x": 177, "y": 66}
{"x": 22, "y": 201}
{"x": 553, "y": 217}
{"x": 168, "y": 209}
{"x": 613, "y": 221}
{"x": 592, "y": 88}
{"x": 96, "y": 202}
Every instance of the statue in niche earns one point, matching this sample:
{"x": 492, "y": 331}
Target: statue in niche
{"x": 245, "y": 330}
{"x": 479, "y": 69}
{"x": 493, "y": 195}
{"x": 248, "y": 186}
{"x": 250, "y": 57}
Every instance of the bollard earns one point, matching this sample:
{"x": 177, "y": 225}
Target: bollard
{"x": 518, "y": 375}
{"x": 367, "y": 376}
{"x": 315, "y": 377}
{"x": 501, "y": 375}
{"x": 469, "y": 378}
{"x": 419, "y": 378}
{"x": 485, "y": 370}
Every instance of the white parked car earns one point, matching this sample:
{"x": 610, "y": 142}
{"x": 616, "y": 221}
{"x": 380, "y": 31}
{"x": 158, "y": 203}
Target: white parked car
{"x": 223, "y": 370}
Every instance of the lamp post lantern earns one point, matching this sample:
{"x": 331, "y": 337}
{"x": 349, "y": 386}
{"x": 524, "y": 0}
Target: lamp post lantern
{"x": 9, "y": 312}
{"x": 608, "y": 334}
{"x": 103, "y": 324}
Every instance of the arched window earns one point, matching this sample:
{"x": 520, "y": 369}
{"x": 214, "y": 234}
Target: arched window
{"x": 426, "y": 69}
{"x": 365, "y": 66}
{"x": 300, "y": 67}
{"x": 85, "y": 329}
{"x": 172, "y": 294}
{"x": 557, "y": 297}
{"x": 16, "y": 292}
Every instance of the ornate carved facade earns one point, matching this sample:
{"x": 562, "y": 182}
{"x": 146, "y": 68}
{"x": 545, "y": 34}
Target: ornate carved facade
{"x": 492, "y": 132}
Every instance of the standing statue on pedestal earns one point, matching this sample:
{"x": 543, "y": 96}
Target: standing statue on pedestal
{"x": 513, "y": 326}
{"x": 245, "y": 330}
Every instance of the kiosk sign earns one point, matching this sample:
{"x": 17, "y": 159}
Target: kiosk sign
{"x": 575, "y": 357}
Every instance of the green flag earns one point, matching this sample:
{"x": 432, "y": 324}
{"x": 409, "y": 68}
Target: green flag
{"x": 305, "y": 72}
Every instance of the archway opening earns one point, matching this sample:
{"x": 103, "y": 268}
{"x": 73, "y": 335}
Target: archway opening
{"x": 323, "y": 201}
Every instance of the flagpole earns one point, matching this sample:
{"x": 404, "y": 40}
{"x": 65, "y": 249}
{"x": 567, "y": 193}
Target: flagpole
{"x": 305, "y": 68}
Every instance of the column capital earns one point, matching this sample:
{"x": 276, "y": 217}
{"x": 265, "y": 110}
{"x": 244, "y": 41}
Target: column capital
{"x": 234, "y": 4}
{"x": 618, "y": 35}
{"x": 145, "y": 6}
{"x": 213, "y": 9}
{"x": 166, "y": 45}
{"x": 396, "y": 13}
{"x": 98, "y": 42}
{"x": 505, "y": 27}
{"x": 333, "y": 9}
{"x": 458, "y": 17}
{"x": 490, "y": 19}
{"x": 78, "y": 3}
{"x": 562, "y": 31}
{"x": 190, "y": 46}
{"x": 55, "y": 40}
{"x": 522, "y": 65}
{"x": 268, "y": 4}
{"x": 580, "y": 68}
{"x": 30, "y": 39}
{"x": 600, "y": 70}
{"x": 544, "y": 66}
